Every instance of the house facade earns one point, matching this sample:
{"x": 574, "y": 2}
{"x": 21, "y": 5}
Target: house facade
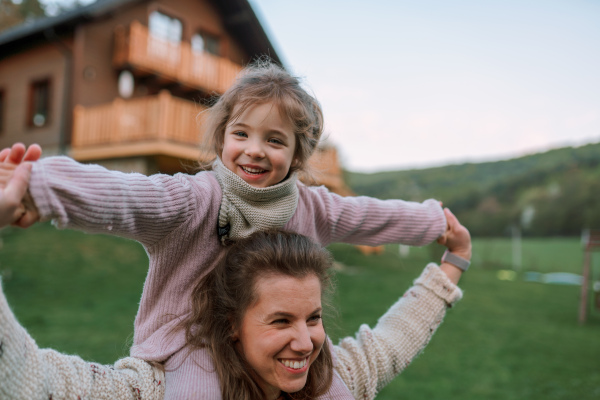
{"x": 124, "y": 80}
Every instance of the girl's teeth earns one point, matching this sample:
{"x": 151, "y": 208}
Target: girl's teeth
{"x": 252, "y": 170}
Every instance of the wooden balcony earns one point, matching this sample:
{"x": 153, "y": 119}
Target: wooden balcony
{"x": 136, "y": 48}
{"x": 326, "y": 170}
{"x": 164, "y": 125}
{"x": 145, "y": 126}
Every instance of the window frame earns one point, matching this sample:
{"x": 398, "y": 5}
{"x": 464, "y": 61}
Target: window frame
{"x": 166, "y": 35}
{"x": 204, "y": 35}
{"x": 33, "y": 102}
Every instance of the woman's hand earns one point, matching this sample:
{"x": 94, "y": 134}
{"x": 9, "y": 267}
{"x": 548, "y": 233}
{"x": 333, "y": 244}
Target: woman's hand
{"x": 458, "y": 242}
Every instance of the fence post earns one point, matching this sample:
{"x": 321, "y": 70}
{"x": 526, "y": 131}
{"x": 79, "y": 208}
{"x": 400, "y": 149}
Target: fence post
{"x": 591, "y": 242}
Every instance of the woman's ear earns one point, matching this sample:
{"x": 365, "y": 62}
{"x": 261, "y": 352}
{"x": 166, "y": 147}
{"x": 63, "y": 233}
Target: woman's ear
{"x": 235, "y": 335}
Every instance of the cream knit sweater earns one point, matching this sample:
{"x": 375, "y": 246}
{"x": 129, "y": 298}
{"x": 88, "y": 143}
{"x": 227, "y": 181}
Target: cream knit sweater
{"x": 365, "y": 363}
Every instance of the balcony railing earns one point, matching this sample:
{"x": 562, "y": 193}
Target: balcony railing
{"x": 161, "y": 120}
{"x": 166, "y": 125}
{"x": 136, "y": 47}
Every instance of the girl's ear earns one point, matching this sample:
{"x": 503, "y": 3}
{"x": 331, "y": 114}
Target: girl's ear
{"x": 295, "y": 162}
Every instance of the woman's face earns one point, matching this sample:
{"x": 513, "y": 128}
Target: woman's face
{"x": 281, "y": 334}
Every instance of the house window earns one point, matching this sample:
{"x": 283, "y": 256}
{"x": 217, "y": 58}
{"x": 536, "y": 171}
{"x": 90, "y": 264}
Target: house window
{"x": 205, "y": 42}
{"x": 39, "y": 103}
{"x": 164, "y": 27}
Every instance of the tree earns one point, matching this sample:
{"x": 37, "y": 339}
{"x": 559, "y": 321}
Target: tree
{"x": 13, "y": 12}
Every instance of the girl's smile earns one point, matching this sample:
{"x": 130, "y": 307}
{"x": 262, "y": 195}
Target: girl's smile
{"x": 259, "y": 145}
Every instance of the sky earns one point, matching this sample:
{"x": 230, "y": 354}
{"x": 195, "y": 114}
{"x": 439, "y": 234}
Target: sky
{"x": 412, "y": 84}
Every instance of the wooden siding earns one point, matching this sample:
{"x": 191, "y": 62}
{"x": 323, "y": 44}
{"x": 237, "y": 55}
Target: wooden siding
{"x": 137, "y": 127}
{"x": 137, "y": 48}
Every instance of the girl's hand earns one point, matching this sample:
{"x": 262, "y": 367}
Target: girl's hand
{"x": 10, "y": 159}
{"x": 12, "y": 195}
{"x": 19, "y": 153}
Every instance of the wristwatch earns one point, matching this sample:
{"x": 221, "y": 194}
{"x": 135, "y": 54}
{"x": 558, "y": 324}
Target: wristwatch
{"x": 455, "y": 260}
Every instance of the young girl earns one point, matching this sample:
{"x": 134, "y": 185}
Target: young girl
{"x": 263, "y": 129}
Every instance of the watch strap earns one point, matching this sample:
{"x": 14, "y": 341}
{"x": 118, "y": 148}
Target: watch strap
{"x": 455, "y": 260}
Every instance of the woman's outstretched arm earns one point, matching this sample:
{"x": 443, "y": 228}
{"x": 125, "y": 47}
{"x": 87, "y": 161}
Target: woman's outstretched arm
{"x": 28, "y": 372}
{"x": 375, "y": 356}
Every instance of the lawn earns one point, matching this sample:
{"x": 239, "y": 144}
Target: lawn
{"x": 507, "y": 339}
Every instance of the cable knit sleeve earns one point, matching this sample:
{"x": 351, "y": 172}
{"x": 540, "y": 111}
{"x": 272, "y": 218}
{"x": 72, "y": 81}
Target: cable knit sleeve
{"x": 366, "y": 220}
{"x": 94, "y": 199}
{"x": 375, "y": 356}
{"x": 27, "y": 372}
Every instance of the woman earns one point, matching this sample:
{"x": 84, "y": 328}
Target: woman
{"x": 272, "y": 343}
{"x": 266, "y": 338}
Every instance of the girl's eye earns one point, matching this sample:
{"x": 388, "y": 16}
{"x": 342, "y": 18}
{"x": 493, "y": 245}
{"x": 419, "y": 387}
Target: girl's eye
{"x": 240, "y": 134}
{"x": 275, "y": 141}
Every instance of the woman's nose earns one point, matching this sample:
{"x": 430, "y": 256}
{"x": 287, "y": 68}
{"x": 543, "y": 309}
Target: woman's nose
{"x": 302, "y": 341}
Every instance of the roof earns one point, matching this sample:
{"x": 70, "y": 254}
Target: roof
{"x": 238, "y": 16}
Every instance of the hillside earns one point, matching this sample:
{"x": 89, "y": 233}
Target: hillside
{"x": 546, "y": 194}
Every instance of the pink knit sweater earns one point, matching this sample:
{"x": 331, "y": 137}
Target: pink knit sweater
{"x": 175, "y": 219}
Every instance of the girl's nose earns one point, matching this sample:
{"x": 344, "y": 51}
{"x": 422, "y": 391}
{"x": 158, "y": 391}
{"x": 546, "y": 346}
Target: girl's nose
{"x": 254, "y": 150}
{"x": 302, "y": 342}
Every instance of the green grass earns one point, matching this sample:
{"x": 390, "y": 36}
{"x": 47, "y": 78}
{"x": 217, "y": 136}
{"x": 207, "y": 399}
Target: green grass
{"x": 505, "y": 340}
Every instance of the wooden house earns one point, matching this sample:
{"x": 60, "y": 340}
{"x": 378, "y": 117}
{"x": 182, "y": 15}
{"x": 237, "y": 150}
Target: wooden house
{"x": 120, "y": 82}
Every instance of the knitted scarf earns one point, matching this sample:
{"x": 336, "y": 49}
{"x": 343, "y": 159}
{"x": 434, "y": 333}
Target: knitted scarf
{"x": 246, "y": 209}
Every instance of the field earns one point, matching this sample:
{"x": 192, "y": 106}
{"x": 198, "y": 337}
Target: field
{"x": 507, "y": 339}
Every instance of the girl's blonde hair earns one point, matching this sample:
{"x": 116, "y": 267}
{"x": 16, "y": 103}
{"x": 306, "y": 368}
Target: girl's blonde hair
{"x": 259, "y": 83}
{"x": 221, "y": 298}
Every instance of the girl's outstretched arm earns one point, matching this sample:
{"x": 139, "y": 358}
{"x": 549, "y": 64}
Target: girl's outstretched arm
{"x": 27, "y": 372}
{"x": 94, "y": 199}
{"x": 366, "y": 220}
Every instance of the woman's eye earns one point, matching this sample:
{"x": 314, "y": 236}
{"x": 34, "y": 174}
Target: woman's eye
{"x": 314, "y": 318}
{"x": 281, "y": 321}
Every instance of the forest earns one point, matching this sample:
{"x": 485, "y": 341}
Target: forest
{"x": 554, "y": 193}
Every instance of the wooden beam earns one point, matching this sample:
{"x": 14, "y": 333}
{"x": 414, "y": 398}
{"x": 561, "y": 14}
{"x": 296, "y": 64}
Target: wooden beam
{"x": 149, "y": 148}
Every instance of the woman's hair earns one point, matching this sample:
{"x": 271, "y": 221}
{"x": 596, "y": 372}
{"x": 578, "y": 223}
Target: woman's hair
{"x": 259, "y": 83}
{"x": 221, "y": 298}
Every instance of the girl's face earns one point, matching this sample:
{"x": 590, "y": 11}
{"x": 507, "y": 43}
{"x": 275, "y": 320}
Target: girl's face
{"x": 282, "y": 334}
{"x": 259, "y": 145}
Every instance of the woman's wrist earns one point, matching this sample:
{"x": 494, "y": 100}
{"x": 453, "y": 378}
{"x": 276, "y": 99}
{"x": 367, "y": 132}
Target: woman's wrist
{"x": 462, "y": 252}
{"x": 452, "y": 272}
{"x": 456, "y": 262}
